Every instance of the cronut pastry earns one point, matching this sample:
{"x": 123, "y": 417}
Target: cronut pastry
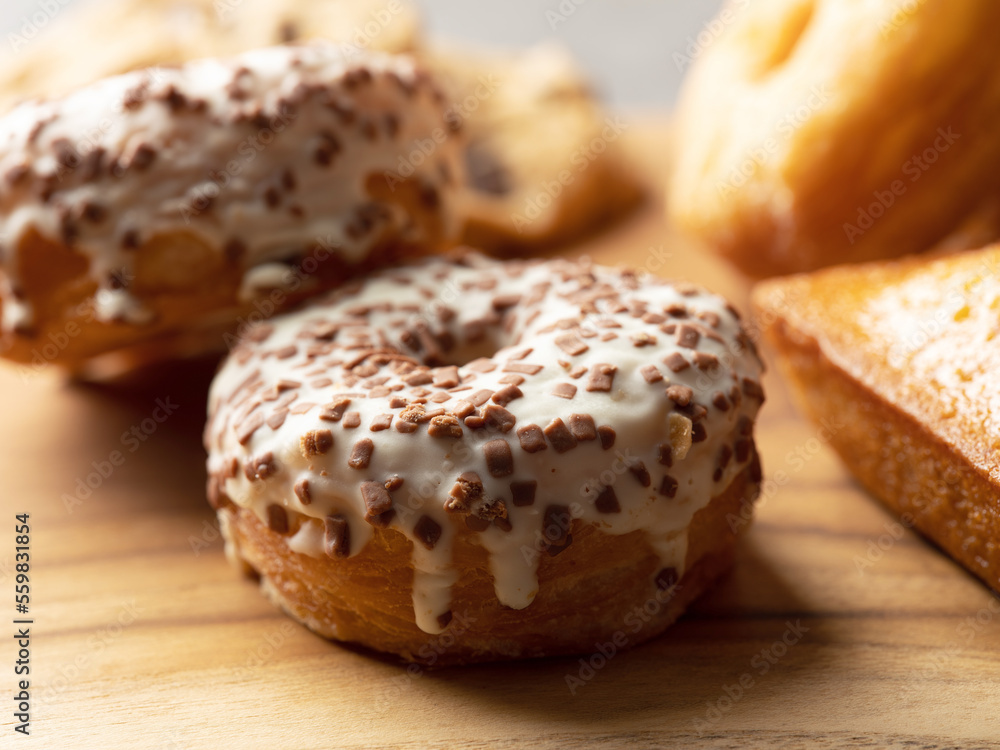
{"x": 154, "y": 212}
{"x": 546, "y": 160}
{"x": 508, "y": 458}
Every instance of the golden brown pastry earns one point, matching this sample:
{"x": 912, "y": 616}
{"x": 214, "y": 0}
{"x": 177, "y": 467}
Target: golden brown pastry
{"x": 816, "y": 132}
{"x": 469, "y": 460}
{"x": 544, "y": 160}
{"x": 156, "y": 211}
{"x": 89, "y": 41}
{"x": 904, "y": 358}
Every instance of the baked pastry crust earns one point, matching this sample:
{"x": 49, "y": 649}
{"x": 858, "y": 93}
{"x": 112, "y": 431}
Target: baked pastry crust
{"x": 598, "y": 587}
{"x": 545, "y": 161}
{"x": 818, "y": 132}
{"x": 903, "y": 358}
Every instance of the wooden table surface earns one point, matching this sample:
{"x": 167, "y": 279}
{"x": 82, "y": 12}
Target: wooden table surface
{"x": 837, "y": 628}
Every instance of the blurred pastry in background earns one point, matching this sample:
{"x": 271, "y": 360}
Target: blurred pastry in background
{"x": 900, "y": 362}
{"x": 545, "y": 159}
{"x": 154, "y": 213}
{"x": 89, "y": 41}
{"x": 816, "y": 132}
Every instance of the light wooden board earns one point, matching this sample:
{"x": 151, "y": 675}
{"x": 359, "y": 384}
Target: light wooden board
{"x": 144, "y": 636}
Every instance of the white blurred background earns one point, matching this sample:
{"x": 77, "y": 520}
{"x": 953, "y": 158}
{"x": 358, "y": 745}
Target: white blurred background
{"x": 636, "y": 51}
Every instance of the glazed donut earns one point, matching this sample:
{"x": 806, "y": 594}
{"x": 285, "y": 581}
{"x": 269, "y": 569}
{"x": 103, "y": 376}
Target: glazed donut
{"x": 816, "y": 132}
{"x": 545, "y": 162}
{"x": 154, "y": 211}
{"x": 515, "y": 459}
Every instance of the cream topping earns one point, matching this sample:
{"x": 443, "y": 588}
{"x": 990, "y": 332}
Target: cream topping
{"x": 261, "y": 157}
{"x": 626, "y": 402}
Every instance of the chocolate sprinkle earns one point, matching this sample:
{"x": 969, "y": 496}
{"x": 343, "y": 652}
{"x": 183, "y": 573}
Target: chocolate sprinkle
{"x": 315, "y": 442}
{"x": 607, "y": 436}
{"x": 277, "y": 419}
{"x": 499, "y": 459}
{"x": 680, "y": 394}
{"x": 688, "y": 337}
{"x": 582, "y": 427}
{"x": 651, "y": 374}
{"x": 302, "y": 491}
{"x": 704, "y": 360}
{"x": 676, "y": 362}
{"x": 523, "y": 492}
{"x": 559, "y": 436}
{"x": 277, "y": 519}
{"x": 444, "y": 425}
{"x": 639, "y": 471}
{"x": 381, "y": 422}
{"x": 601, "y": 377}
{"x": 249, "y": 426}
{"x": 668, "y": 487}
{"x": 498, "y": 418}
{"x": 555, "y": 524}
{"x": 334, "y": 411}
{"x": 468, "y": 488}
{"x": 571, "y": 344}
{"x": 427, "y": 531}
{"x": 361, "y": 454}
{"x": 564, "y": 390}
{"x": 144, "y": 156}
{"x": 607, "y": 501}
{"x": 336, "y": 536}
{"x": 523, "y": 367}
{"x": 475, "y": 523}
{"x": 507, "y": 394}
{"x": 480, "y": 397}
{"x": 665, "y": 454}
{"x": 378, "y": 503}
{"x": 532, "y": 438}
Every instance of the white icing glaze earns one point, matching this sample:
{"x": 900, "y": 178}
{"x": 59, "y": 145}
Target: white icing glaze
{"x": 552, "y": 294}
{"x": 267, "y": 154}
{"x": 265, "y": 276}
{"x": 118, "y": 304}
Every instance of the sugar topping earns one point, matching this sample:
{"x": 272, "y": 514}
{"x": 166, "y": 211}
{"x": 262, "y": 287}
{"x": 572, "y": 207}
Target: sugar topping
{"x": 414, "y": 424}
{"x": 260, "y": 158}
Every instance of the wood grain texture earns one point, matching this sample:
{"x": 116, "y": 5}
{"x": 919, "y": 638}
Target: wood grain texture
{"x": 145, "y": 637}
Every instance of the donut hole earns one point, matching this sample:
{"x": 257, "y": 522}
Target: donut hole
{"x": 461, "y": 352}
{"x": 779, "y": 37}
